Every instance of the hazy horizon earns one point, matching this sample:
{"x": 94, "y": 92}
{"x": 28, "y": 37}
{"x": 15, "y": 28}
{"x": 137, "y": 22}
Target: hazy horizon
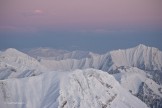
{"x": 89, "y": 25}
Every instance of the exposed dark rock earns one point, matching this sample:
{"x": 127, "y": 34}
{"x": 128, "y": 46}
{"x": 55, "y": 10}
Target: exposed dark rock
{"x": 147, "y": 96}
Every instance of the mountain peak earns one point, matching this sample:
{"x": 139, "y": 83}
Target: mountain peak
{"x": 13, "y": 52}
{"x": 141, "y": 46}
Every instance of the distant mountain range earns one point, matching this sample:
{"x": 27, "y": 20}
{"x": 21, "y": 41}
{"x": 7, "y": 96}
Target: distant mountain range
{"x": 49, "y": 78}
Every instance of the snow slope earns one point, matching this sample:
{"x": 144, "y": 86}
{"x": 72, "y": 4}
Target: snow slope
{"x": 14, "y": 63}
{"x": 143, "y": 63}
{"x": 143, "y": 57}
{"x": 131, "y": 78}
{"x": 77, "y": 89}
{"x": 82, "y": 89}
{"x": 136, "y": 80}
{"x": 138, "y": 70}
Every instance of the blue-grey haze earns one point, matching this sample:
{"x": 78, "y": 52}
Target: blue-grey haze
{"x": 88, "y": 41}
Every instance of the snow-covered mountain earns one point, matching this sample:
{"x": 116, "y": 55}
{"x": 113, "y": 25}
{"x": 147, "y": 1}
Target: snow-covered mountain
{"x": 44, "y": 52}
{"x": 14, "y": 63}
{"x": 77, "y": 89}
{"x": 143, "y": 57}
{"x": 54, "y": 81}
{"x": 55, "y": 54}
{"x": 140, "y": 84}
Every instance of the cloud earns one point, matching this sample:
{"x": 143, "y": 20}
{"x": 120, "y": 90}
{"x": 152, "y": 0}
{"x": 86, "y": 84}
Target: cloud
{"x": 38, "y": 11}
{"x": 35, "y": 12}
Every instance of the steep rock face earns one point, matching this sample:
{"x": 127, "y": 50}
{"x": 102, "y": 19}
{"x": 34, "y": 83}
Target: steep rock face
{"x": 156, "y": 76}
{"x": 140, "y": 84}
{"x": 148, "y": 96}
{"x": 77, "y": 89}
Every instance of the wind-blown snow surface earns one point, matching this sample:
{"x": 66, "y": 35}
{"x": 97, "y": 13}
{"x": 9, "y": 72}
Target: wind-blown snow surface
{"x": 78, "y": 89}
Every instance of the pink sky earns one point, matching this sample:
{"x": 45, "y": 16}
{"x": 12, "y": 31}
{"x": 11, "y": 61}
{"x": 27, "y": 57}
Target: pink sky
{"x": 81, "y": 14}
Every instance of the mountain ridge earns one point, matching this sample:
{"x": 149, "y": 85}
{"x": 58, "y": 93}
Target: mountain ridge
{"x": 137, "y": 70}
{"x": 66, "y": 90}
